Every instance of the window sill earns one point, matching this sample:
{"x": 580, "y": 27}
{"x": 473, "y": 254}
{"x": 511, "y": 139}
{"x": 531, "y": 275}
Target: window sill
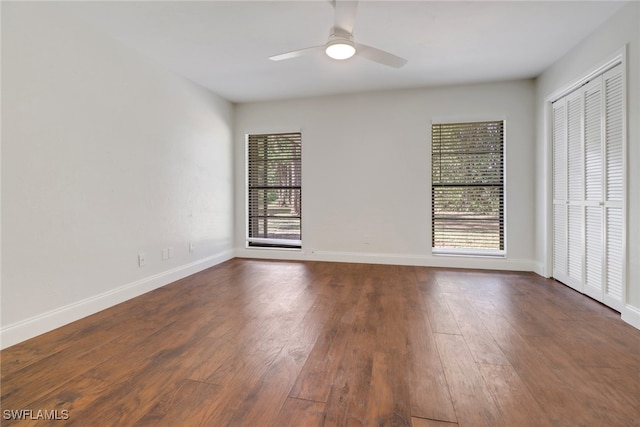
{"x": 273, "y": 248}
{"x": 474, "y": 253}
{"x": 279, "y": 244}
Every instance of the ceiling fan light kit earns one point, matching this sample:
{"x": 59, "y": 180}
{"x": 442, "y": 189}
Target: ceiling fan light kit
{"x": 340, "y": 46}
{"x": 340, "y": 50}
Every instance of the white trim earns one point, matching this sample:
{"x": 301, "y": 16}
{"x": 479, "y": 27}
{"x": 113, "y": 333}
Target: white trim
{"x": 539, "y": 269}
{"x": 618, "y": 57}
{"x": 283, "y": 242}
{"x": 483, "y": 263}
{"x": 447, "y": 120}
{"x": 486, "y": 253}
{"x": 631, "y": 315}
{"x": 272, "y": 130}
{"x": 548, "y": 188}
{"x": 45, "y": 322}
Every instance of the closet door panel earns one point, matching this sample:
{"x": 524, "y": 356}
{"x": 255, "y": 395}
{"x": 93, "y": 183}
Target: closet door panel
{"x": 575, "y": 245}
{"x": 560, "y": 242}
{"x": 560, "y": 190}
{"x": 575, "y": 180}
{"x": 560, "y": 151}
{"x": 593, "y": 253}
{"x": 575, "y": 158}
{"x": 614, "y": 258}
{"x": 593, "y": 172}
{"x": 614, "y": 187}
{"x": 613, "y": 118}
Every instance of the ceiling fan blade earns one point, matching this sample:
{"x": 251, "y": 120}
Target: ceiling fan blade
{"x": 345, "y": 14}
{"x": 296, "y": 53}
{"x": 380, "y": 56}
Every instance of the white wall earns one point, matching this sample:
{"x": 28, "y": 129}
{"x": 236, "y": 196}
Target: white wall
{"x": 366, "y": 171}
{"x": 104, "y": 155}
{"x": 620, "y": 30}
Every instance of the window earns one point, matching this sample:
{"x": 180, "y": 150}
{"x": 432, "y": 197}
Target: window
{"x": 274, "y": 190}
{"x": 467, "y": 193}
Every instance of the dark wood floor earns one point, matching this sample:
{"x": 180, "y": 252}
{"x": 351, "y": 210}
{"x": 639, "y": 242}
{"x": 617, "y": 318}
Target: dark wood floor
{"x": 260, "y": 343}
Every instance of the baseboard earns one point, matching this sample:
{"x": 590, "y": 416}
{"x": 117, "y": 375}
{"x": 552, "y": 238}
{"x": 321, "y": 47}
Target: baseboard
{"x": 485, "y": 263}
{"x": 45, "y": 322}
{"x": 631, "y": 315}
{"x": 539, "y": 269}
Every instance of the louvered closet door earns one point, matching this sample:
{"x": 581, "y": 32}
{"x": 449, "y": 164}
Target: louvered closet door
{"x": 593, "y": 177}
{"x": 560, "y": 190}
{"x": 575, "y": 177}
{"x": 589, "y": 188}
{"x": 614, "y": 187}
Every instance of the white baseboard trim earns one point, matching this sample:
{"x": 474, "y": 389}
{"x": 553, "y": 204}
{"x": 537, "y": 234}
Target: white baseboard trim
{"x": 446, "y": 261}
{"x": 45, "y": 322}
{"x": 540, "y": 269}
{"x": 631, "y": 315}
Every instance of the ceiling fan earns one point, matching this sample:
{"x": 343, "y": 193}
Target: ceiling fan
{"x": 340, "y": 44}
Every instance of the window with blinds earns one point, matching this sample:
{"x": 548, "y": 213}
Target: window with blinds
{"x": 274, "y": 190}
{"x": 467, "y": 192}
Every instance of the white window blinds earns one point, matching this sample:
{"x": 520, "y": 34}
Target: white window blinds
{"x": 468, "y": 187}
{"x": 275, "y": 190}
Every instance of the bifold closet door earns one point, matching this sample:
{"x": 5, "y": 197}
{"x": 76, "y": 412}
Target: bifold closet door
{"x": 575, "y": 202}
{"x": 593, "y": 176}
{"x": 559, "y": 123}
{"x": 614, "y": 187}
{"x": 588, "y": 188}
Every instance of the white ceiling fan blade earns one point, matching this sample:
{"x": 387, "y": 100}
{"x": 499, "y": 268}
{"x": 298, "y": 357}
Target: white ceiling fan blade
{"x": 296, "y": 53}
{"x": 380, "y": 56}
{"x": 345, "y": 14}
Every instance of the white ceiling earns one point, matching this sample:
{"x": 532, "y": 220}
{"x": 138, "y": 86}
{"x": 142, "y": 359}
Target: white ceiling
{"x": 225, "y": 45}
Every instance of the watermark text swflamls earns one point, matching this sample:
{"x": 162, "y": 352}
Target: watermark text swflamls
{"x": 35, "y": 414}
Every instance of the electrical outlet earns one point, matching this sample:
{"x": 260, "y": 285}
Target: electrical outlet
{"x": 142, "y": 259}
{"x": 165, "y": 254}
{"x": 192, "y": 247}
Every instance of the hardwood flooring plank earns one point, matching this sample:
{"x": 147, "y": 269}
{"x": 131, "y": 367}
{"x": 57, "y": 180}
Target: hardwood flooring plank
{"x": 617, "y": 382}
{"x": 536, "y": 371}
{"x": 472, "y": 400}
{"x": 72, "y": 397}
{"x": 580, "y": 339}
{"x": 516, "y": 404}
{"x": 440, "y": 317}
{"x": 480, "y": 342}
{"x": 347, "y": 401}
{"x": 180, "y": 405}
{"x": 135, "y": 390}
{"x": 36, "y": 380}
{"x": 388, "y": 399}
{"x": 606, "y": 404}
{"x": 262, "y": 405}
{"x": 430, "y": 396}
{"x": 315, "y": 380}
{"x": 300, "y": 412}
{"x": 425, "y": 422}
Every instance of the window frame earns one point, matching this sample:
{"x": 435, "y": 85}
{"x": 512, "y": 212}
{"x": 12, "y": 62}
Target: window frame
{"x": 266, "y": 242}
{"x": 469, "y": 251}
